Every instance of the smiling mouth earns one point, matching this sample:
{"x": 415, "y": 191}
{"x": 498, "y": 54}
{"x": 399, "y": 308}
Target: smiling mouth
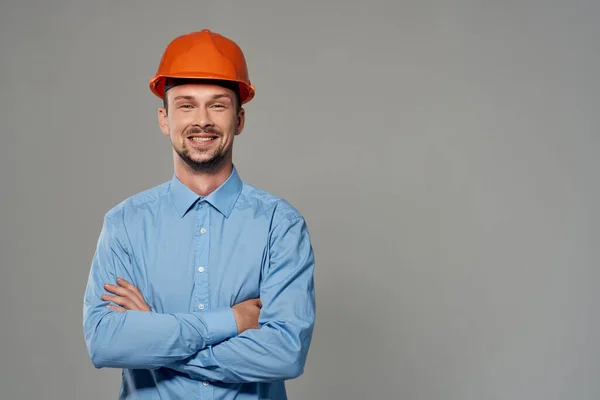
{"x": 202, "y": 139}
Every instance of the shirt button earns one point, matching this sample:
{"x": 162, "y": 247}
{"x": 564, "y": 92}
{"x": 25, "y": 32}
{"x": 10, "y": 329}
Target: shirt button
{"x": 201, "y": 269}
{"x": 201, "y": 306}
{"x": 205, "y": 383}
{"x": 203, "y": 231}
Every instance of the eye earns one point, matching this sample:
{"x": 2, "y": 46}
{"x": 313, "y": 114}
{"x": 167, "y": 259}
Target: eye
{"x": 185, "y": 106}
{"x": 218, "y": 105}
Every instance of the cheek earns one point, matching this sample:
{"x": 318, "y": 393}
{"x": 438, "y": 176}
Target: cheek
{"x": 227, "y": 126}
{"x": 177, "y": 125}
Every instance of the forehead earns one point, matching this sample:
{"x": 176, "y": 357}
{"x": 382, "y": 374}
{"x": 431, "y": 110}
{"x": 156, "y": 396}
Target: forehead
{"x": 199, "y": 90}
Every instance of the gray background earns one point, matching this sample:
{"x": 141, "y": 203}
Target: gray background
{"x": 445, "y": 156}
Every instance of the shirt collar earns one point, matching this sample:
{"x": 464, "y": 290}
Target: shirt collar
{"x": 223, "y": 198}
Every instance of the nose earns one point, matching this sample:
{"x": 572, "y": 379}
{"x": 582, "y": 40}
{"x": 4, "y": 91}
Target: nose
{"x": 203, "y": 118}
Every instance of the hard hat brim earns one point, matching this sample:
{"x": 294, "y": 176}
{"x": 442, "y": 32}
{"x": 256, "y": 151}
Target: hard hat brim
{"x": 157, "y": 83}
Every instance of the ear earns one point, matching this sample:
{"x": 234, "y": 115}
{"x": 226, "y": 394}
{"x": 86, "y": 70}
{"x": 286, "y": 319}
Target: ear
{"x": 163, "y": 120}
{"x": 241, "y": 119}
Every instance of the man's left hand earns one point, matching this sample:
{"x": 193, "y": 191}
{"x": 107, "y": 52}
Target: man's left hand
{"x": 128, "y": 297}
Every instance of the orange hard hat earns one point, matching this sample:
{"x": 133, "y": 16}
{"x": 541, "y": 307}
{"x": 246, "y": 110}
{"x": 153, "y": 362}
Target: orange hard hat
{"x": 203, "y": 55}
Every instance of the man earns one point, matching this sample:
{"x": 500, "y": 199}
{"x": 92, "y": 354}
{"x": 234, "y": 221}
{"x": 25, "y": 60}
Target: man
{"x": 202, "y": 287}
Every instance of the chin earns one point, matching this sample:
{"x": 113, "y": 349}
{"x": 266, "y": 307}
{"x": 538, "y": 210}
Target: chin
{"x": 203, "y": 157}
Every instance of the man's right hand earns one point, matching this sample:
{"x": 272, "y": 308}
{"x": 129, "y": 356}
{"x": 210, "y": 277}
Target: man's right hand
{"x": 246, "y": 314}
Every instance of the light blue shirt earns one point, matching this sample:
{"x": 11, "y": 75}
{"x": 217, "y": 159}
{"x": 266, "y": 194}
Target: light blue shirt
{"x": 193, "y": 258}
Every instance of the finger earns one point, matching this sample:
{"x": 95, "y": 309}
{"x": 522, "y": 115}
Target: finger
{"x": 143, "y": 306}
{"x": 117, "y": 290}
{"x": 122, "y": 301}
{"x": 125, "y": 293}
{"x": 259, "y": 303}
{"x": 116, "y": 308}
{"x": 129, "y": 286}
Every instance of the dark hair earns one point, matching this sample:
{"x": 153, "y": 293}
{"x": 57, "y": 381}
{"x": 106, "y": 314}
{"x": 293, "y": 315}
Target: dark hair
{"x": 233, "y": 86}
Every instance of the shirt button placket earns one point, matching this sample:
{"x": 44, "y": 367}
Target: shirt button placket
{"x": 206, "y": 390}
{"x": 201, "y": 299}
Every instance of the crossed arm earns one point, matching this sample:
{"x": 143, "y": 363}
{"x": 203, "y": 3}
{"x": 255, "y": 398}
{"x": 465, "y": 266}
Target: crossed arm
{"x": 215, "y": 345}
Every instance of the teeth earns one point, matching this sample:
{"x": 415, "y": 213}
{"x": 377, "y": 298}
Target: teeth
{"x": 202, "y": 139}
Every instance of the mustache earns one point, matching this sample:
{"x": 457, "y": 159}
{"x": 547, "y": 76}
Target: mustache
{"x": 197, "y": 129}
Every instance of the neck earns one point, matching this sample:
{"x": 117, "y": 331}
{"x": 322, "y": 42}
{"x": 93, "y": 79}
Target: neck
{"x": 202, "y": 183}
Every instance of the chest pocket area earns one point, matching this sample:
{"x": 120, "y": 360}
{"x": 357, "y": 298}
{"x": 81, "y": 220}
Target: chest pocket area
{"x": 238, "y": 270}
{"x": 170, "y": 278}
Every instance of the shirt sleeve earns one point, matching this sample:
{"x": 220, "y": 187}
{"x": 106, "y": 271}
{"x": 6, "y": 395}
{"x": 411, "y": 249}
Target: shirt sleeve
{"x": 278, "y": 349}
{"x": 137, "y": 339}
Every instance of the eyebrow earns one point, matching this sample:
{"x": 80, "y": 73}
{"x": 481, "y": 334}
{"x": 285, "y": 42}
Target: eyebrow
{"x": 214, "y": 97}
{"x": 183, "y": 98}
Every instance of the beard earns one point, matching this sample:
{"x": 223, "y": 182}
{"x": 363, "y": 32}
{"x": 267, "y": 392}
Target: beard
{"x": 210, "y": 164}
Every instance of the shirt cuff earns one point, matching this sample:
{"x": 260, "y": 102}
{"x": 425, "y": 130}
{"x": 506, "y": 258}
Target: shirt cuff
{"x": 220, "y": 323}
